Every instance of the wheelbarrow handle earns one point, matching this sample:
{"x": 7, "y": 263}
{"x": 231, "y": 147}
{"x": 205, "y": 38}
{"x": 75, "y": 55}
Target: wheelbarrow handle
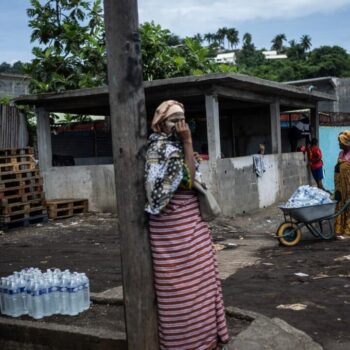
{"x": 339, "y": 212}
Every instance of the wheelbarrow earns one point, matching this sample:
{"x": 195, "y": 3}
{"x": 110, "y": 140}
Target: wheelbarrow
{"x": 318, "y": 219}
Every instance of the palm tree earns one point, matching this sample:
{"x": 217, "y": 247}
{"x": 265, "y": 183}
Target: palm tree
{"x": 198, "y": 37}
{"x": 233, "y": 37}
{"x": 277, "y": 42}
{"x": 209, "y": 37}
{"x": 247, "y": 39}
{"x": 305, "y": 42}
{"x": 221, "y": 35}
{"x": 295, "y": 50}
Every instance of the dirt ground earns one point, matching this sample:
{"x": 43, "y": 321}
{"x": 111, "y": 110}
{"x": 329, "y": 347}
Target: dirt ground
{"x": 258, "y": 274}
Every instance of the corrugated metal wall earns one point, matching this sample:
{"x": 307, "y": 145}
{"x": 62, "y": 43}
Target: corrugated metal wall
{"x": 13, "y": 128}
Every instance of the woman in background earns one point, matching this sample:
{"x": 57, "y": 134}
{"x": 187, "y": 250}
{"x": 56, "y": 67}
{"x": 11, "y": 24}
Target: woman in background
{"x": 342, "y": 183}
{"x": 190, "y": 307}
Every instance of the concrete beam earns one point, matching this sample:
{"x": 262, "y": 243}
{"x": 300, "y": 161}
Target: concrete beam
{"x": 276, "y": 143}
{"x": 43, "y": 132}
{"x": 242, "y": 95}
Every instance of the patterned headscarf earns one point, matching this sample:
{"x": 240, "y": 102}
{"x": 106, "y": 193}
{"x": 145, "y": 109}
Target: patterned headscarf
{"x": 344, "y": 138}
{"x": 164, "y": 111}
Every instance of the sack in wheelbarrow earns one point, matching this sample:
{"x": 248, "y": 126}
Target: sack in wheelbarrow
{"x": 309, "y": 204}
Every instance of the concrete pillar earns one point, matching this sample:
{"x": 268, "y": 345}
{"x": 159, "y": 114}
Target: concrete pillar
{"x": 43, "y": 133}
{"x": 315, "y": 122}
{"x": 276, "y": 143}
{"x": 213, "y": 128}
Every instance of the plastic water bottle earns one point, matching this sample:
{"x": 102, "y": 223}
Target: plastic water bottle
{"x": 73, "y": 296}
{"x": 44, "y": 293}
{"x": 37, "y": 302}
{"x": 80, "y": 281}
{"x": 55, "y": 295}
{"x": 5, "y": 297}
{"x": 29, "y": 299}
{"x": 22, "y": 296}
{"x": 15, "y": 298}
{"x": 86, "y": 291}
{"x": 1, "y": 298}
{"x": 64, "y": 295}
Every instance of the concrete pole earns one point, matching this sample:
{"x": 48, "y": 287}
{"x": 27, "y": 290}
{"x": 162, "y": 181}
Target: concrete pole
{"x": 315, "y": 122}
{"x": 129, "y": 133}
{"x": 43, "y": 133}
{"x": 213, "y": 128}
{"x": 276, "y": 142}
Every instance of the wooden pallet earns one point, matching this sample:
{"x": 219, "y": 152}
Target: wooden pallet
{"x": 16, "y": 151}
{"x": 22, "y": 207}
{"x": 24, "y": 214}
{"x": 65, "y": 208}
{"x": 18, "y": 175}
{"x": 18, "y": 183}
{"x": 17, "y": 159}
{"x": 16, "y": 167}
{"x": 20, "y": 191}
{"x": 22, "y": 198}
{"x": 34, "y": 219}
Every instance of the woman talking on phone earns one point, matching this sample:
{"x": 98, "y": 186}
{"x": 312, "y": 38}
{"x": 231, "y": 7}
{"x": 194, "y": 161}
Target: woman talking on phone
{"x": 188, "y": 290}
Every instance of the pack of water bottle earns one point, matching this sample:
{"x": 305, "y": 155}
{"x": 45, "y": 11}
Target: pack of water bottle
{"x": 37, "y": 294}
{"x": 306, "y": 196}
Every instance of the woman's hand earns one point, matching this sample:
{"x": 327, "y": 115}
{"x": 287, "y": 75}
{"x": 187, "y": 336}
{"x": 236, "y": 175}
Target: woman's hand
{"x": 183, "y": 131}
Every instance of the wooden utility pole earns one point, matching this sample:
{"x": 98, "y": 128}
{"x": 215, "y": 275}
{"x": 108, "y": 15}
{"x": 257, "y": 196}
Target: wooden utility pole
{"x": 129, "y": 133}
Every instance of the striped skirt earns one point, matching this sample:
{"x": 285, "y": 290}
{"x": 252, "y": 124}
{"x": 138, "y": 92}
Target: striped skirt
{"x": 191, "y": 313}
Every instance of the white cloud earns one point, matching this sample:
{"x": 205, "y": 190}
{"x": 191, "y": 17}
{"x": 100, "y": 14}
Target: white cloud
{"x": 190, "y": 16}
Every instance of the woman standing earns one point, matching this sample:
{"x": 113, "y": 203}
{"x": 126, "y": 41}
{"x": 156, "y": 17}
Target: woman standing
{"x": 189, "y": 298}
{"x": 342, "y": 183}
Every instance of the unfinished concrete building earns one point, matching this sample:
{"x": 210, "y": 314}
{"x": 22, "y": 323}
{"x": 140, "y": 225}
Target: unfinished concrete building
{"x": 229, "y": 114}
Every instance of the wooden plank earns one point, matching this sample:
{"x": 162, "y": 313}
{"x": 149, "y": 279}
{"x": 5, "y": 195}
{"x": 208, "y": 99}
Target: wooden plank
{"x": 129, "y": 132}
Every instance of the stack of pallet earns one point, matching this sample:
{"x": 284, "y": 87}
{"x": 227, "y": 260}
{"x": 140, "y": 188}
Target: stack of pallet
{"x": 22, "y": 199}
{"x": 65, "y": 208}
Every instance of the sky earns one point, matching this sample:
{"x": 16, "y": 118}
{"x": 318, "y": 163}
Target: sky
{"x": 326, "y": 21}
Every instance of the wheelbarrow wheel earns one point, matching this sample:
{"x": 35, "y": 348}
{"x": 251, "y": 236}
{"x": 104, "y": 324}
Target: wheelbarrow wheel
{"x": 289, "y": 234}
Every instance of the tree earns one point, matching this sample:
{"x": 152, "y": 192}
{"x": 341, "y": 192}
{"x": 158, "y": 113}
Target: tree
{"x": 277, "y": 42}
{"x": 221, "y": 35}
{"x": 16, "y": 68}
{"x": 71, "y": 52}
{"x": 249, "y": 57}
{"x": 329, "y": 61}
{"x": 295, "y": 51}
{"x": 209, "y": 37}
{"x": 161, "y": 60}
{"x": 233, "y": 37}
{"x": 305, "y": 42}
{"x": 198, "y": 37}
